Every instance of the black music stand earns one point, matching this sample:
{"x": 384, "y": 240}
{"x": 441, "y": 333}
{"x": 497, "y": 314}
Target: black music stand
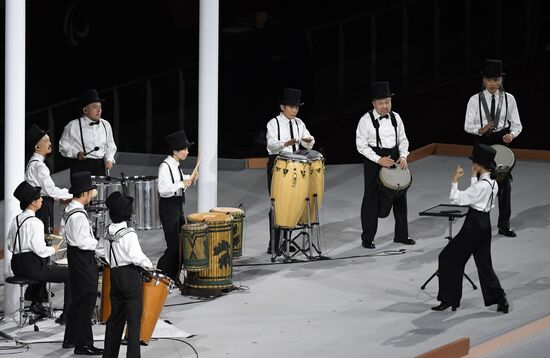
{"x": 451, "y": 212}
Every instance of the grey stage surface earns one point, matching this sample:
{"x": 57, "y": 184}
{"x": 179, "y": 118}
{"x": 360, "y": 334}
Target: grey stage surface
{"x": 363, "y": 306}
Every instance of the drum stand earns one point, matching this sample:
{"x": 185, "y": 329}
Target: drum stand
{"x": 436, "y": 273}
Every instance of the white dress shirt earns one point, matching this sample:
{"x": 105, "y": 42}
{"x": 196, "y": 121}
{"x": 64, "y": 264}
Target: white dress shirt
{"x": 276, "y": 145}
{"x": 38, "y": 174}
{"x": 126, "y": 250}
{"x": 472, "y": 122}
{"x": 100, "y": 135}
{"x": 31, "y": 236}
{"x": 365, "y": 136}
{"x": 77, "y": 231}
{"x": 478, "y": 194}
{"x": 167, "y": 187}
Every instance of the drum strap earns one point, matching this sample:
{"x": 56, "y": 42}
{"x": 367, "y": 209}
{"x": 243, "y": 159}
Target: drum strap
{"x": 376, "y": 126}
{"x": 116, "y": 237}
{"x": 17, "y": 240}
{"x": 82, "y": 135}
{"x": 483, "y": 103}
{"x": 68, "y": 214}
{"x": 490, "y": 203}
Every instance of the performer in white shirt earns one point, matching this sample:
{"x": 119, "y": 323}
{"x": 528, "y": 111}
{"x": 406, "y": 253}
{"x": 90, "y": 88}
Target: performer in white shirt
{"x": 171, "y": 186}
{"x": 474, "y": 237}
{"x": 81, "y": 246}
{"x": 30, "y": 253}
{"x": 492, "y": 117}
{"x": 123, "y": 254}
{"x": 285, "y": 134}
{"x": 88, "y": 140}
{"x": 381, "y": 139}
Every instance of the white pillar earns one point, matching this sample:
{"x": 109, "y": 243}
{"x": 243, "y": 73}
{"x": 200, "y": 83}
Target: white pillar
{"x": 14, "y": 142}
{"x": 208, "y": 104}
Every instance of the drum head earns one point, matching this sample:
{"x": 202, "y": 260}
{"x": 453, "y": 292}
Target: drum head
{"x": 504, "y": 157}
{"x": 104, "y": 180}
{"x": 209, "y": 217}
{"x": 230, "y": 211}
{"x": 395, "y": 178}
{"x": 310, "y": 154}
{"x": 140, "y": 178}
{"x": 194, "y": 226}
{"x": 292, "y": 157}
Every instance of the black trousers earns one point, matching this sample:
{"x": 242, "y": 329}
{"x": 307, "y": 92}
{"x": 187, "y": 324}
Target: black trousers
{"x": 172, "y": 218}
{"x": 270, "y": 164}
{"x": 32, "y": 266}
{"x": 84, "y": 274}
{"x": 38, "y": 292}
{"x": 126, "y": 306}
{"x": 94, "y": 166}
{"x": 474, "y": 239}
{"x": 371, "y": 202}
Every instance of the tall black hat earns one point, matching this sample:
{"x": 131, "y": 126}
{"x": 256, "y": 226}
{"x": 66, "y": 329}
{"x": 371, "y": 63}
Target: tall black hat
{"x": 484, "y": 155}
{"x": 34, "y": 135}
{"x": 292, "y": 97}
{"x": 119, "y": 206}
{"x": 492, "y": 69}
{"x": 89, "y": 96}
{"x": 81, "y": 182}
{"x": 177, "y": 140}
{"x": 380, "y": 90}
{"x": 26, "y": 194}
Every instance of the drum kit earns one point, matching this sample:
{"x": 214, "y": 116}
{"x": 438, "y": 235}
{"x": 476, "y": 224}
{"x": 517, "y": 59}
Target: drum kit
{"x": 145, "y": 208}
{"x": 297, "y": 189}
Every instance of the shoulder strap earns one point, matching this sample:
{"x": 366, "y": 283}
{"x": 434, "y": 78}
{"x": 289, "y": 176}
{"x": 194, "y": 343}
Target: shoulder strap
{"x": 104, "y": 128}
{"x": 81, "y": 134}
{"x": 172, "y": 175}
{"x": 29, "y": 163}
{"x": 70, "y": 213}
{"x": 506, "y": 113}
{"x": 376, "y": 126}
{"x": 394, "y": 124}
{"x": 278, "y": 128}
{"x": 118, "y": 235}
{"x": 490, "y": 202}
{"x": 483, "y": 102}
{"x": 17, "y": 239}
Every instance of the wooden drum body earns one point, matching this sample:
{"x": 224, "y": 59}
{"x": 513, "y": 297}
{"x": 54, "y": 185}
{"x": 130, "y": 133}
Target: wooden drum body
{"x": 219, "y": 274}
{"x": 290, "y": 188}
{"x": 105, "y": 303}
{"x": 316, "y": 185}
{"x": 237, "y": 228}
{"x": 194, "y": 244}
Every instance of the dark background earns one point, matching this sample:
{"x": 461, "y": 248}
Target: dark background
{"x": 143, "y": 55}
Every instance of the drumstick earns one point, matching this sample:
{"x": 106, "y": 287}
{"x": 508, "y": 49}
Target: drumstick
{"x": 195, "y": 170}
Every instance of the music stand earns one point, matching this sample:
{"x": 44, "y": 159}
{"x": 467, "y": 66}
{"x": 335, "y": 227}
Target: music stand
{"x": 451, "y": 212}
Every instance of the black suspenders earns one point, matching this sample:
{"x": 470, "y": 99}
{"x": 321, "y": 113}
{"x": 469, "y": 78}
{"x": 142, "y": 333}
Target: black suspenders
{"x": 279, "y": 128}
{"x": 490, "y": 203}
{"x": 17, "y": 239}
{"x": 376, "y": 126}
{"x": 82, "y": 135}
{"x": 505, "y": 112}
{"x": 172, "y": 176}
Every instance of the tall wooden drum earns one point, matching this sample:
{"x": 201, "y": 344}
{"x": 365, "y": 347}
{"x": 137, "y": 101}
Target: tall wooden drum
{"x": 105, "y": 303}
{"x": 219, "y": 274}
{"x": 194, "y": 244}
{"x": 237, "y": 228}
{"x": 316, "y": 184}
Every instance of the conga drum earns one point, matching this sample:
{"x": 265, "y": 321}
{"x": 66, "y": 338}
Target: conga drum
{"x": 105, "y": 303}
{"x": 194, "y": 244}
{"x": 154, "y": 291}
{"x": 505, "y": 160}
{"x": 316, "y": 184}
{"x": 219, "y": 274}
{"x": 393, "y": 182}
{"x": 290, "y": 188}
{"x": 237, "y": 228}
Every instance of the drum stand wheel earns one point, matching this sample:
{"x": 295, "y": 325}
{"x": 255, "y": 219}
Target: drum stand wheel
{"x": 436, "y": 273}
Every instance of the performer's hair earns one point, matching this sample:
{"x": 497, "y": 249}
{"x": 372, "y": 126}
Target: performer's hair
{"x": 500, "y": 88}
{"x": 176, "y": 150}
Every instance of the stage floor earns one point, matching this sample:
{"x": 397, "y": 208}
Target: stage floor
{"x": 362, "y": 303}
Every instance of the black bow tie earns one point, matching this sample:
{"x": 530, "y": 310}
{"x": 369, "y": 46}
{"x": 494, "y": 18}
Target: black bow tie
{"x": 94, "y": 123}
{"x": 384, "y": 116}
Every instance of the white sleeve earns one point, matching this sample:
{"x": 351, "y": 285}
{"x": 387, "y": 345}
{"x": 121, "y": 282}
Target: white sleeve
{"x": 466, "y": 197}
{"x": 402, "y": 140}
{"x": 47, "y": 183}
{"x": 273, "y": 143}
{"x": 515, "y": 123}
{"x": 362, "y": 143}
{"x": 130, "y": 244}
{"x": 306, "y": 134}
{"x": 67, "y": 146}
{"x": 471, "y": 122}
{"x": 11, "y": 235}
{"x": 110, "y": 146}
{"x": 165, "y": 185}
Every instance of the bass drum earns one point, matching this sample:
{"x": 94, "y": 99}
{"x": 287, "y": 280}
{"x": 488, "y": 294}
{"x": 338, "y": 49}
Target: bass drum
{"x": 146, "y": 201}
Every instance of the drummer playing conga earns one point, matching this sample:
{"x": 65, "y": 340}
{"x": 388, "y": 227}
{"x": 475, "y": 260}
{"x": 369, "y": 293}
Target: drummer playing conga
{"x": 492, "y": 117}
{"x": 285, "y": 134}
{"x": 123, "y": 253}
{"x": 381, "y": 138}
{"x": 37, "y": 174}
{"x": 172, "y": 184}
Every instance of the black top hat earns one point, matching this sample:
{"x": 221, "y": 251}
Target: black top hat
{"x": 26, "y": 194}
{"x": 89, "y": 96}
{"x": 119, "y": 206}
{"x": 178, "y": 140}
{"x": 380, "y": 90}
{"x": 492, "y": 69}
{"x": 292, "y": 97}
{"x": 483, "y": 154}
{"x": 35, "y": 134}
{"x": 81, "y": 182}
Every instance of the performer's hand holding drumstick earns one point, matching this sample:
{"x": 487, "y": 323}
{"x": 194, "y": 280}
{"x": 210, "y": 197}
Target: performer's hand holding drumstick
{"x": 459, "y": 172}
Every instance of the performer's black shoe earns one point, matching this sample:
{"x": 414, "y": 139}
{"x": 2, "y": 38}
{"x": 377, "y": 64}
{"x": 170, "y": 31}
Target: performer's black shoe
{"x": 88, "y": 351}
{"x": 38, "y": 308}
{"x": 507, "y": 232}
{"x": 443, "y": 306}
{"x": 502, "y": 304}
{"x": 407, "y": 241}
{"x": 61, "y": 319}
{"x": 368, "y": 245}
{"x": 67, "y": 344}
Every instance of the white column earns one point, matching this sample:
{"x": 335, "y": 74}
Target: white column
{"x": 208, "y": 104}
{"x": 14, "y": 142}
